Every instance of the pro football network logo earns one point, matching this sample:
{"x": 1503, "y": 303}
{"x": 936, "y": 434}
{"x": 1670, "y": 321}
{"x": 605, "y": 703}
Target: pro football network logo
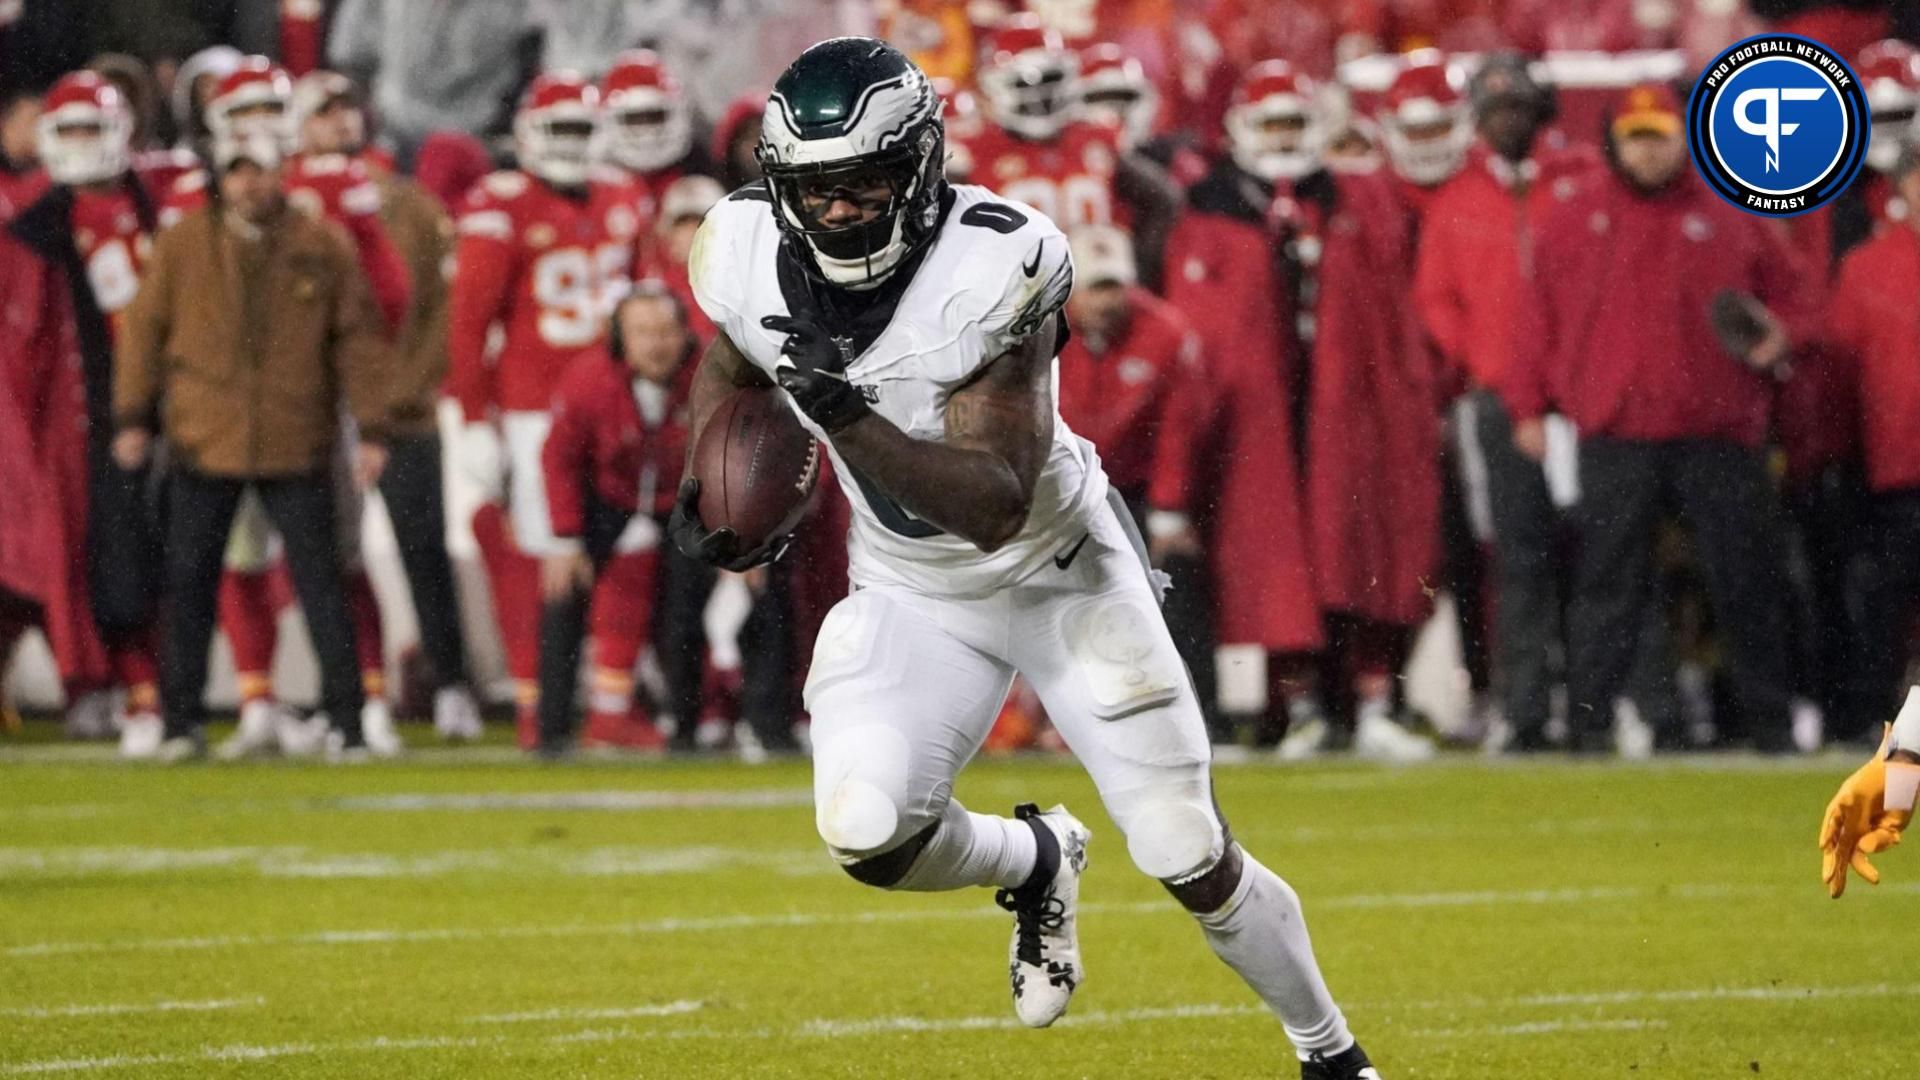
{"x": 1778, "y": 125}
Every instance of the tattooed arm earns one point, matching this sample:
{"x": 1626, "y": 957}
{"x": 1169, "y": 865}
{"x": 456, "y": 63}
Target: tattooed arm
{"x": 978, "y": 483}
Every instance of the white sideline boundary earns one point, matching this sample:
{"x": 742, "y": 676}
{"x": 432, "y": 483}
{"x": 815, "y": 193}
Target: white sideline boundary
{"x": 306, "y": 863}
{"x": 614, "y": 801}
{"x": 844, "y": 1028}
{"x": 690, "y": 799}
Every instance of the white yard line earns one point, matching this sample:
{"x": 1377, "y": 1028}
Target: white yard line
{"x": 671, "y": 1008}
{"x": 1483, "y": 898}
{"x": 53, "y": 1012}
{"x": 1721, "y": 993}
{"x": 643, "y": 928}
{"x": 746, "y": 922}
{"x": 1541, "y": 1027}
{"x": 750, "y": 799}
{"x": 300, "y": 862}
{"x": 844, "y": 1028}
{"x": 613, "y": 801}
{"x": 238, "y": 1052}
{"x": 883, "y": 1025}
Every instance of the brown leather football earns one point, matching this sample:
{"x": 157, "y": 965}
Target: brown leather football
{"x": 756, "y": 466}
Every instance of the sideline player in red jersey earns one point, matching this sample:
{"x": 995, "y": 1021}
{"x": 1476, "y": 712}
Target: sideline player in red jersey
{"x": 646, "y": 131}
{"x": 92, "y": 230}
{"x": 1426, "y": 126}
{"x": 1039, "y": 150}
{"x": 540, "y": 250}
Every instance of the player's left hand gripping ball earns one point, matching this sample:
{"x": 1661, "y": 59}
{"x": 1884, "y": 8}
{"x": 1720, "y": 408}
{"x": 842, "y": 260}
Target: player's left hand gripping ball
{"x": 1862, "y": 819}
{"x": 716, "y": 547}
{"x": 814, "y": 371}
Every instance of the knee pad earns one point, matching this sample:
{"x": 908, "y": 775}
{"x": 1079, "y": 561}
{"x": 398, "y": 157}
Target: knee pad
{"x": 1175, "y": 840}
{"x": 863, "y": 778}
{"x": 865, "y": 810}
{"x": 858, "y": 817}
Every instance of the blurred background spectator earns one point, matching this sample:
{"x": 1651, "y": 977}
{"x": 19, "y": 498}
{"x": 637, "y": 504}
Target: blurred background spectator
{"x": 436, "y": 66}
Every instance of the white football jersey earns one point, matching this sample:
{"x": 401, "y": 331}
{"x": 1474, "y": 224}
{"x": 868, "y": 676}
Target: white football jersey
{"x": 996, "y": 272}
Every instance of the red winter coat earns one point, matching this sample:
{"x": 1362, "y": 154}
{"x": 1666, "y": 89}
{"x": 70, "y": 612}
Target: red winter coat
{"x": 1467, "y": 283}
{"x": 40, "y": 353}
{"x": 602, "y": 449}
{"x": 1874, "y": 322}
{"x": 1615, "y": 332}
{"x": 1816, "y": 414}
{"x": 1221, "y": 272}
{"x": 1373, "y": 433}
{"x": 1123, "y": 399}
{"x": 28, "y": 536}
{"x": 19, "y": 190}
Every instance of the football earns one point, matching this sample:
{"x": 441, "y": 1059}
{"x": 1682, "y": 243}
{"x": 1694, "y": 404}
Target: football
{"x": 756, "y": 466}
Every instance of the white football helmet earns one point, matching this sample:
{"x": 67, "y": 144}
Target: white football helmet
{"x": 254, "y": 100}
{"x": 1028, "y": 78}
{"x": 84, "y": 130}
{"x": 1890, "y": 73}
{"x": 1115, "y": 89}
{"x": 554, "y": 129}
{"x": 1425, "y": 120}
{"x": 1274, "y": 129}
{"x": 647, "y": 126}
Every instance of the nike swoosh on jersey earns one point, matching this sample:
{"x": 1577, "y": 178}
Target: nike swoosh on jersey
{"x": 1033, "y": 267}
{"x": 1064, "y": 561}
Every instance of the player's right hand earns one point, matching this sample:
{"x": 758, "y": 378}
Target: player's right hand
{"x": 482, "y": 460}
{"x": 1859, "y": 823}
{"x": 715, "y": 547}
{"x": 813, "y": 369}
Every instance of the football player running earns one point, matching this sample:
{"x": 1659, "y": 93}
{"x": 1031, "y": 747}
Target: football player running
{"x": 914, "y": 324}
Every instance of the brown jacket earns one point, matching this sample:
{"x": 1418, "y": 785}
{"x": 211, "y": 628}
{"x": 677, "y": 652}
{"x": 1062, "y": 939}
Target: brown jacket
{"x": 240, "y": 351}
{"x": 424, "y": 234}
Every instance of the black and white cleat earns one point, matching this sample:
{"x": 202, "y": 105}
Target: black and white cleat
{"x": 1044, "y": 962}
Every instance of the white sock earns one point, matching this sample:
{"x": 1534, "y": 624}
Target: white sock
{"x": 1262, "y": 934}
{"x": 972, "y": 849}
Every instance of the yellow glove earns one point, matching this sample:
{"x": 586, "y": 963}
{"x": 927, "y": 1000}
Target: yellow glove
{"x": 1859, "y": 823}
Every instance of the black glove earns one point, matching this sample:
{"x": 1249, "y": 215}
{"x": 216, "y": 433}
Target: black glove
{"x": 817, "y": 378}
{"x": 715, "y": 547}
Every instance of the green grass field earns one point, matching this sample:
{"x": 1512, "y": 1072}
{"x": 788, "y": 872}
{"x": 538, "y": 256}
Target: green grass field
{"x": 467, "y": 914}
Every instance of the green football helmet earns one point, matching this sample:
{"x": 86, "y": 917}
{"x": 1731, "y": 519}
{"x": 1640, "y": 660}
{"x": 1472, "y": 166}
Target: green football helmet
{"x": 854, "y": 120}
